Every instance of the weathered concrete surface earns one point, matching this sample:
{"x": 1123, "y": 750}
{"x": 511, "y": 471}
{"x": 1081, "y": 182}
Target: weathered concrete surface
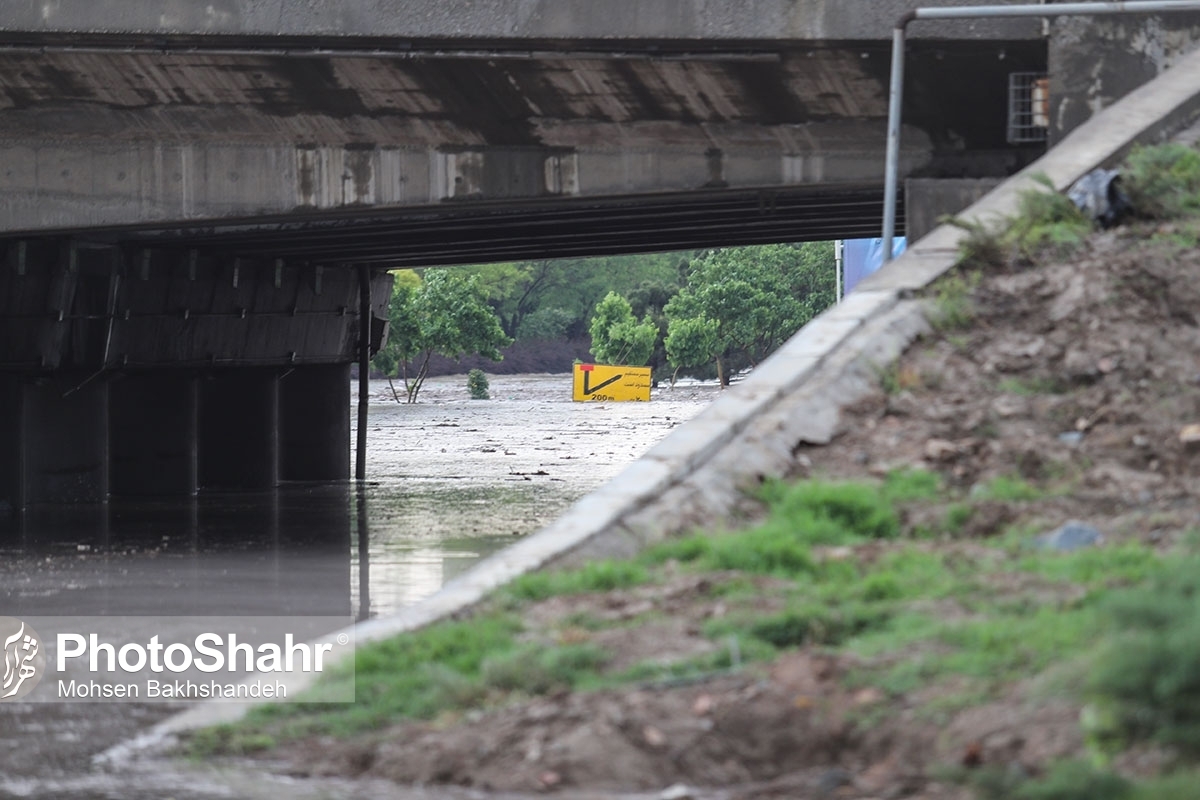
{"x": 97, "y": 309}
{"x": 465, "y": 20}
{"x": 1095, "y": 62}
{"x": 102, "y": 138}
{"x": 927, "y": 200}
{"x": 693, "y": 477}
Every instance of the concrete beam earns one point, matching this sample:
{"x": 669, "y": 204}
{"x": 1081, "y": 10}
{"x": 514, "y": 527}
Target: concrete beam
{"x": 504, "y": 20}
{"x": 144, "y": 183}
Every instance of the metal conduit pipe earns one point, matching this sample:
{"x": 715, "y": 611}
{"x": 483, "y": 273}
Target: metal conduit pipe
{"x": 896, "y": 91}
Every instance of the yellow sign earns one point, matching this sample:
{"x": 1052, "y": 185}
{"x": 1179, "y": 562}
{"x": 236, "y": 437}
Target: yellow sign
{"x": 604, "y": 383}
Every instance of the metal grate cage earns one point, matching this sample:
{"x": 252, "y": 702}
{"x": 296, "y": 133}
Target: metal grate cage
{"x": 1028, "y": 107}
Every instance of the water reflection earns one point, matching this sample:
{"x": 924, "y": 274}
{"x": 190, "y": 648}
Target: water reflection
{"x": 327, "y": 550}
{"x": 284, "y": 553}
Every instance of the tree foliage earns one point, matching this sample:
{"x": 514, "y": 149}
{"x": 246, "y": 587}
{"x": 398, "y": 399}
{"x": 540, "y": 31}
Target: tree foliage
{"x": 445, "y": 313}
{"x": 537, "y": 298}
{"x": 617, "y": 336}
{"x": 741, "y": 303}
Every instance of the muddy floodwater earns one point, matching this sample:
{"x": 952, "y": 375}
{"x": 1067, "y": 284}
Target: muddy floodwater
{"x": 450, "y": 481}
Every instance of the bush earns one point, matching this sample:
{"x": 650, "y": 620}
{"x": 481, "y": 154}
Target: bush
{"x": 1146, "y": 683}
{"x": 477, "y": 385}
{"x": 1047, "y": 223}
{"x": 1163, "y": 181}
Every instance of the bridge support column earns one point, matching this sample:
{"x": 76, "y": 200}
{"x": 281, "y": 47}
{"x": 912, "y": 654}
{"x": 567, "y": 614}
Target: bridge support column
{"x": 12, "y": 444}
{"x": 239, "y": 429}
{"x": 153, "y": 432}
{"x": 314, "y": 406}
{"x": 53, "y": 441}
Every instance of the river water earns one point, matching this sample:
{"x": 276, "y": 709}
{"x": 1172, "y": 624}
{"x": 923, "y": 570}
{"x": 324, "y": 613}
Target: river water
{"x": 450, "y": 480}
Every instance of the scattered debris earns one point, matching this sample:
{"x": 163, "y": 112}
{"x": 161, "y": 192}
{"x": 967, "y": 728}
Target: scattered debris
{"x": 1071, "y": 535}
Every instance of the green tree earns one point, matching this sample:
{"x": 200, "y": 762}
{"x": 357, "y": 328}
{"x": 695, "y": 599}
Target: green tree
{"x": 617, "y": 336}
{"x": 692, "y": 342}
{"x": 649, "y": 300}
{"x": 560, "y": 294}
{"x": 446, "y": 313}
{"x": 741, "y": 303}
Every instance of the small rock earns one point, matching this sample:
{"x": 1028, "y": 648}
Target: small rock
{"x": 1079, "y": 366}
{"x": 834, "y": 553}
{"x": 1071, "y": 535}
{"x": 549, "y": 778}
{"x": 1007, "y": 406}
{"x": 1140, "y": 441}
{"x": 653, "y": 736}
{"x": 1189, "y": 436}
{"x": 833, "y": 779}
{"x": 940, "y": 450}
{"x": 677, "y": 792}
{"x": 868, "y": 696}
{"x": 703, "y": 705}
{"x": 1072, "y": 438}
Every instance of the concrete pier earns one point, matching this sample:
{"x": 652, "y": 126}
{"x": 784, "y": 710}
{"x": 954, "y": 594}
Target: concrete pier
{"x": 153, "y": 420}
{"x": 314, "y": 419}
{"x": 56, "y": 443}
{"x": 239, "y": 429}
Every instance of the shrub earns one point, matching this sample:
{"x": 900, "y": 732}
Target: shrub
{"x": 477, "y": 385}
{"x": 1163, "y": 181}
{"x": 952, "y": 305}
{"x": 1047, "y": 223}
{"x": 1146, "y": 683}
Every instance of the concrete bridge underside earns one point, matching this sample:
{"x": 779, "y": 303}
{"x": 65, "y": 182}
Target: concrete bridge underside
{"x": 185, "y": 197}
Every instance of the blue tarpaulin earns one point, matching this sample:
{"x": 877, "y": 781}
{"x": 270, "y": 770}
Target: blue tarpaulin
{"x": 861, "y": 257}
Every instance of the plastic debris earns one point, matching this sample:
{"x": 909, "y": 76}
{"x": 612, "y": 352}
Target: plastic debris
{"x": 1099, "y": 195}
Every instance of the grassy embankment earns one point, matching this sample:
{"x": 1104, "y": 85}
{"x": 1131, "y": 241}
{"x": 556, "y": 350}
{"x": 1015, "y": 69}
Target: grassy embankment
{"x": 1114, "y": 629}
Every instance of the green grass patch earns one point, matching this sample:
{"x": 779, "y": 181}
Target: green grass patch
{"x": 601, "y": 576}
{"x": 907, "y": 483}
{"x": 534, "y": 669}
{"x": 1032, "y": 386}
{"x": 802, "y": 515}
{"x": 1009, "y": 487}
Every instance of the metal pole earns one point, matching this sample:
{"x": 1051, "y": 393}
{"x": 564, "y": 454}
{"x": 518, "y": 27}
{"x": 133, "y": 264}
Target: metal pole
{"x": 364, "y": 368}
{"x": 895, "y": 94}
{"x": 892, "y": 161}
{"x": 839, "y": 251}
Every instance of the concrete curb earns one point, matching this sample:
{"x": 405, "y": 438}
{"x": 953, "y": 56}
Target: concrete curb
{"x": 694, "y": 477}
